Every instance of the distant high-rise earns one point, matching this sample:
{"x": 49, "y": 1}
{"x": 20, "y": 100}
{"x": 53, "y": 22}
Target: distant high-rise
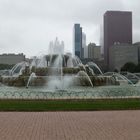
{"x": 94, "y": 51}
{"x": 117, "y": 29}
{"x": 78, "y": 40}
{"x": 84, "y": 46}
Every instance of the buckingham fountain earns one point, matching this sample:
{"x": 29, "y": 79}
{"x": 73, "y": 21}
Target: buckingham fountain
{"x": 57, "y": 75}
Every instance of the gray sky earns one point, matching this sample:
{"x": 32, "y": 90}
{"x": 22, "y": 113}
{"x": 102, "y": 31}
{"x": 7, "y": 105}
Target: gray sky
{"x": 29, "y": 25}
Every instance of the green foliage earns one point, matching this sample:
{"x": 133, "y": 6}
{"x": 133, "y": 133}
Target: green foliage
{"x": 26, "y": 72}
{"x": 6, "y": 66}
{"x": 70, "y": 70}
{"x": 130, "y": 67}
{"x": 33, "y": 69}
{"x": 116, "y": 70}
{"x": 41, "y": 71}
{"x": 15, "y": 81}
{"x": 69, "y": 105}
{"x": 81, "y": 68}
{"x": 138, "y": 68}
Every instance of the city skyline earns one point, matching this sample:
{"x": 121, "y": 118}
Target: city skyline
{"x": 28, "y": 27}
{"x": 117, "y": 29}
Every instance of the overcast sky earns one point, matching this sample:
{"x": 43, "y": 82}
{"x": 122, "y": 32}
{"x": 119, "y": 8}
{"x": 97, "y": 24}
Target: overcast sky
{"x": 29, "y": 25}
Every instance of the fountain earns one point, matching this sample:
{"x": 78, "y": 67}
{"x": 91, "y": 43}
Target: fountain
{"x": 33, "y": 75}
{"x": 94, "y": 66}
{"x": 58, "y": 75}
{"x": 17, "y": 69}
{"x": 122, "y": 79}
{"x": 59, "y": 66}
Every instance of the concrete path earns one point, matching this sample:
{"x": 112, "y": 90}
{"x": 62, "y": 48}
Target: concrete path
{"x": 100, "y": 125}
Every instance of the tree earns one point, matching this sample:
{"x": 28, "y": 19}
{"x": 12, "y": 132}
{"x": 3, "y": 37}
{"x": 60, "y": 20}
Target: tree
{"x": 129, "y": 66}
{"x": 138, "y": 68}
{"x": 116, "y": 70}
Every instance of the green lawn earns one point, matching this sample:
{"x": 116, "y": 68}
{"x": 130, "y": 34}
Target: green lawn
{"x": 69, "y": 105}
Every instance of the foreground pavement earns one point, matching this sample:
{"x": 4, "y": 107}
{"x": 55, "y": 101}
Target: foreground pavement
{"x": 98, "y": 125}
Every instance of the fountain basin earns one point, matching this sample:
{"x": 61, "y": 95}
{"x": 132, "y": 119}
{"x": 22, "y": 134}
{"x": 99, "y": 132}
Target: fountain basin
{"x": 77, "y": 92}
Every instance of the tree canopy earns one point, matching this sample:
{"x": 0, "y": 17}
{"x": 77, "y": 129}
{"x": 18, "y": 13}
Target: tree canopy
{"x": 131, "y": 67}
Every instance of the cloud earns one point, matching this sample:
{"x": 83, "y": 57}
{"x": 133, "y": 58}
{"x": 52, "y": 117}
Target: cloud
{"x": 28, "y": 26}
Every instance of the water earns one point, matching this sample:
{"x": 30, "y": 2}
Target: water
{"x": 84, "y": 76}
{"x": 71, "y": 85}
{"x": 120, "y": 78}
{"x": 78, "y": 92}
{"x": 56, "y": 79}
{"x": 33, "y": 75}
{"x": 17, "y": 69}
{"x": 94, "y": 67}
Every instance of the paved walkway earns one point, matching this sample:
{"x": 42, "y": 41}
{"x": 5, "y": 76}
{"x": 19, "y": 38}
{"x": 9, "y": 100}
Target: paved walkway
{"x": 100, "y": 125}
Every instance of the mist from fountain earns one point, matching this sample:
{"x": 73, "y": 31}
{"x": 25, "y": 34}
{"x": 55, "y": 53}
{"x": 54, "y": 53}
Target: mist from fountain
{"x": 18, "y": 68}
{"x": 33, "y": 75}
{"x": 120, "y": 78}
{"x": 124, "y": 78}
{"x": 92, "y": 64}
{"x": 84, "y": 76}
{"x": 42, "y": 62}
{"x": 133, "y": 77}
{"x": 57, "y": 81}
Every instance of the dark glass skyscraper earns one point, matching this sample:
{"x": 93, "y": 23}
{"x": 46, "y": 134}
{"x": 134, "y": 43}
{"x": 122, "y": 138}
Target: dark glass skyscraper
{"x": 117, "y": 29}
{"x": 78, "y": 40}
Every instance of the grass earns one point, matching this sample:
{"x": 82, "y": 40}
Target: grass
{"x": 69, "y": 105}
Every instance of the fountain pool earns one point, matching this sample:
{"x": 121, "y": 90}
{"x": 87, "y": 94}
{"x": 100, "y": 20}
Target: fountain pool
{"x": 37, "y": 92}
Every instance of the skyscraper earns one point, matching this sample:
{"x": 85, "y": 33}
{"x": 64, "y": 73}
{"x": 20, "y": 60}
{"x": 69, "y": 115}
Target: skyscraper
{"x": 78, "y": 40}
{"x": 84, "y": 46}
{"x": 117, "y": 29}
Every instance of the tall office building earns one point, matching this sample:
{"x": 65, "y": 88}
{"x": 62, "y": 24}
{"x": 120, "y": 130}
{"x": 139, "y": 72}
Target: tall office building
{"x": 78, "y": 40}
{"x": 84, "y": 46}
{"x": 117, "y": 30}
{"x": 94, "y": 51}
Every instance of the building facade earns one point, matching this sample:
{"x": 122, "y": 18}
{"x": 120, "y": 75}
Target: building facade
{"x": 117, "y": 29}
{"x": 94, "y": 52}
{"x": 84, "y": 46}
{"x": 11, "y": 58}
{"x": 78, "y": 40}
{"x": 137, "y": 44}
{"x": 121, "y": 54}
